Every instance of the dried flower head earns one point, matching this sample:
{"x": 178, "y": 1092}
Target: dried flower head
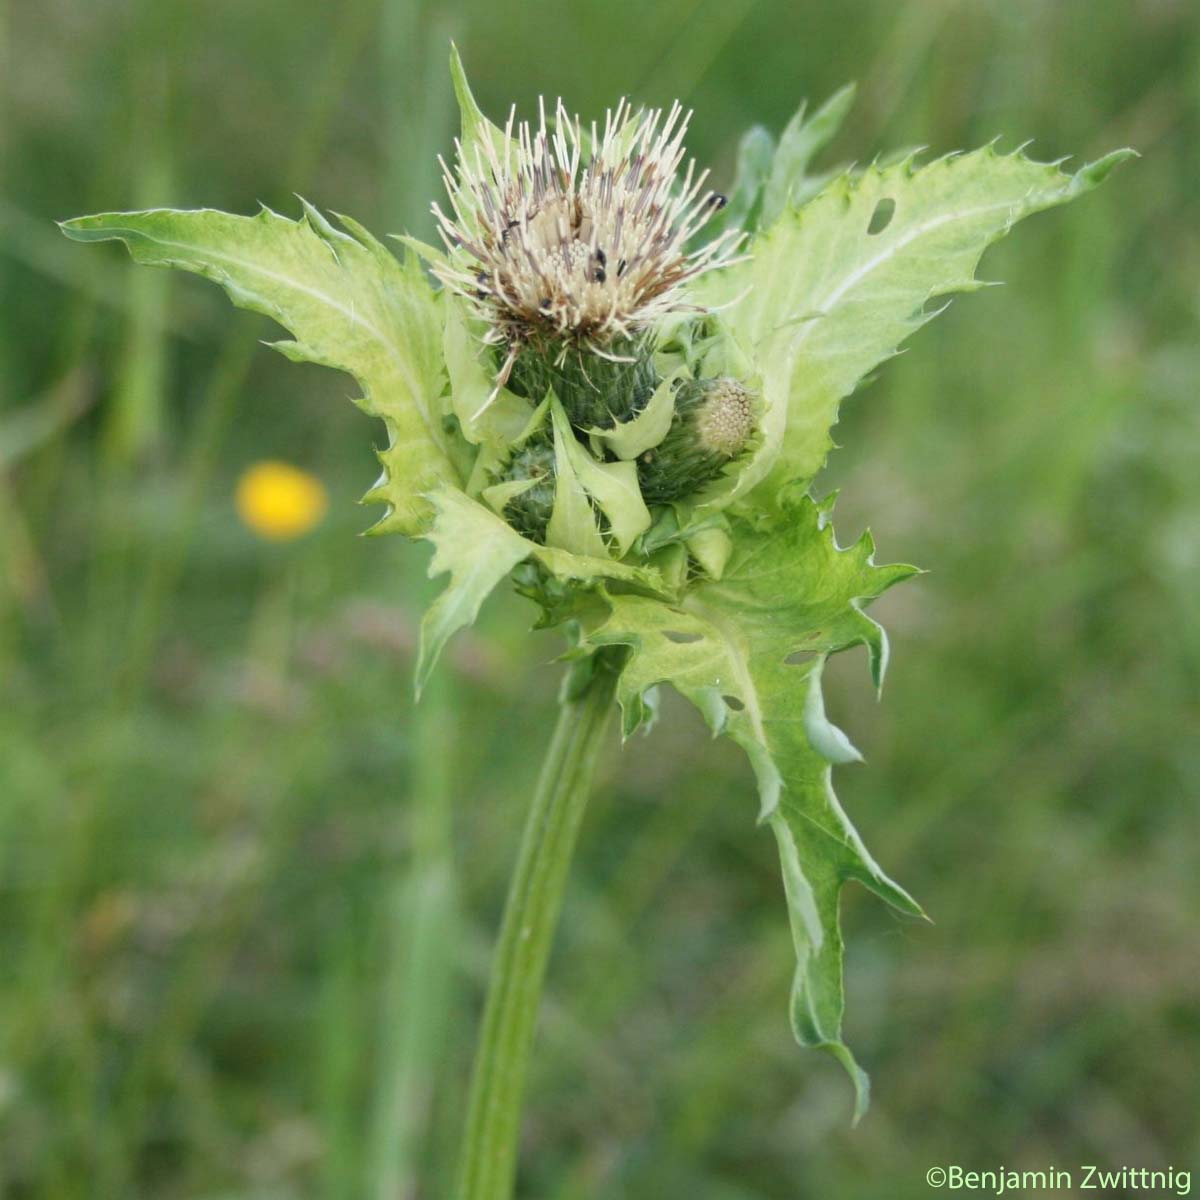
{"x": 554, "y": 251}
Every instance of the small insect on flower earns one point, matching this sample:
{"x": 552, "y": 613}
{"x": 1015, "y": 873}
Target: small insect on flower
{"x": 280, "y": 502}
{"x": 559, "y": 255}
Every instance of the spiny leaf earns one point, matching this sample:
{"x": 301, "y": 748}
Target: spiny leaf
{"x": 748, "y": 651}
{"x": 789, "y": 182}
{"x": 478, "y": 550}
{"x": 476, "y": 128}
{"x": 833, "y": 288}
{"x": 348, "y": 302}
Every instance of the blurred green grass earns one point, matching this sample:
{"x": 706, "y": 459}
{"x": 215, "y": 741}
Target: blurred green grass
{"x": 248, "y": 891}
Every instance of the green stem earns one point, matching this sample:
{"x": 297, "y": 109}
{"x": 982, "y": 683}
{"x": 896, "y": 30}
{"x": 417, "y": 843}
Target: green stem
{"x": 489, "y": 1155}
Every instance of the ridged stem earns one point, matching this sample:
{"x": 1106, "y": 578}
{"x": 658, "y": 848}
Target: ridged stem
{"x": 488, "y": 1163}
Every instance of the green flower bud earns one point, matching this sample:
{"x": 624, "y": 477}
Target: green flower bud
{"x": 714, "y": 419}
{"x": 596, "y": 391}
{"x": 529, "y": 511}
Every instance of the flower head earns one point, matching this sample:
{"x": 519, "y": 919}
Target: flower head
{"x": 280, "y": 502}
{"x": 714, "y": 421}
{"x": 725, "y": 419}
{"x": 554, "y": 250}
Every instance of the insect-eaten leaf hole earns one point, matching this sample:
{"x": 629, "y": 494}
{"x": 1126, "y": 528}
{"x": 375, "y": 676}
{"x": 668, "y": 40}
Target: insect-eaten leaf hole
{"x": 881, "y": 218}
{"x": 798, "y": 658}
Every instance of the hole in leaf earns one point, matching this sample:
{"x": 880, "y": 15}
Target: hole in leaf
{"x": 799, "y": 657}
{"x": 733, "y": 703}
{"x": 881, "y": 218}
{"x": 677, "y": 635}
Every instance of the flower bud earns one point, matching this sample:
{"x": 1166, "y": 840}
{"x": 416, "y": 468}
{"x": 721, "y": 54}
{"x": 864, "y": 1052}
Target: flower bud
{"x": 713, "y": 421}
{"x": 529, "y": 511}
{"x": 596, "y": 391}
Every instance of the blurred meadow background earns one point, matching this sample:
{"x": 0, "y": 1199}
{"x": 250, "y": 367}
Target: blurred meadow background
{"x": 248, "y": 890}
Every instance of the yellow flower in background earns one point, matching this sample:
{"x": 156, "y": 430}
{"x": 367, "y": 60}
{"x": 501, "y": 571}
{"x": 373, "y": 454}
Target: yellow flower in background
{"x": 280, "y": 502}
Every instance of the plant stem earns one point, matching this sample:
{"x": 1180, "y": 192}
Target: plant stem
{"x": 489, "y": 1156}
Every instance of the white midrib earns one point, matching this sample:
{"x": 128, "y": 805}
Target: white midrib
{"x": 860, "y": 273}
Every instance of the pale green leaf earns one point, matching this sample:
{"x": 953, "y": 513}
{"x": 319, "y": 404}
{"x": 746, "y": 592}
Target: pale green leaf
{"x": 433, "y": 256}
{"x": 628, "y": 439}
{"x": 573, "y": 526}
{"x": 498, "y": 495}
{"x": 487, "y": 415}
{"x": 612, "y": 486}
{"x": 477, "y": 130}
{"x": 615, "y": 489}
{"x": 478, "y": 549}
{"x": 671, "y": 562}
{"x": 581, "y": 570}
{"x": 513, "y": 414}
{"x": 748, "y": 651}
{"x": 711, "y": 548}
{"x": 826, "y": 739}
{"x": 789, "y": 182}
{"x": 823, "y": 300}
{"x": 349, "y": 304}
{"x": 756, "y": 151}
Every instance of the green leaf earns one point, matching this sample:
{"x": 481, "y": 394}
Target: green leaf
{"x": 498, "y": 495}
{"x": 573, "y": 526}
{"x": 476, "y": 128}
{"x": 748, "y": 651}
{"x": 711, "y": 548}
{"x": 789, "y": 182}
{"x": 478, "y": 550}
{"x": 348, "y": 302}
{"x": 628, "y": 439}
{"x": 756, "y": 151}
{"x": 769, "y": 177}
{"x": 823, "y": 300}
{"x": 486, "y": 415}
{"x": 579, "y": 480}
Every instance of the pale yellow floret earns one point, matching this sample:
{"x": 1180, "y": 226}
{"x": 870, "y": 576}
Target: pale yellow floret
{"x": 726, "y": 419}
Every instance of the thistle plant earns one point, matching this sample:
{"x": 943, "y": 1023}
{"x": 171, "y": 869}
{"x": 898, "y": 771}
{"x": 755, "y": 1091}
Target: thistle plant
{"x": 614, "y": 386}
